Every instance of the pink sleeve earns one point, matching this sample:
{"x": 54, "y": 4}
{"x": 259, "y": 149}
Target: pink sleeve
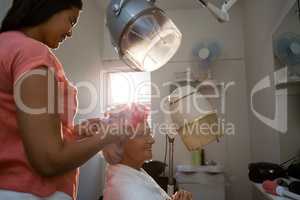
{"x": 31, "y": 56}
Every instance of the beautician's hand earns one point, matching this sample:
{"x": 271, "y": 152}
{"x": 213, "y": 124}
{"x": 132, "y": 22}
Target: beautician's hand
{"x": 182, "y": 195}
{"x": 109, "y": 130}
{"x": 115, "y": 131}
{"x": 87, "y": 128}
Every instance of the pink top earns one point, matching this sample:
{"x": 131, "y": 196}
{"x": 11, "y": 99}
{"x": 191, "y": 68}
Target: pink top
{"x": 18, "y": 55}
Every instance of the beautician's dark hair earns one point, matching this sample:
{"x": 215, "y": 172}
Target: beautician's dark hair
{"x": 30, "y": 13}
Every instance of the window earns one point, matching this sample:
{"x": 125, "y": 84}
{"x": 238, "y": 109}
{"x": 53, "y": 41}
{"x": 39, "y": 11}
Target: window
{"x": 128, "y": 87}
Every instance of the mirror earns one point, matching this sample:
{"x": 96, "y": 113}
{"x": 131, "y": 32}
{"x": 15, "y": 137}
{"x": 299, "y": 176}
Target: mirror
{"x": 286, "y": 51}
{"x": 286, "y": 46}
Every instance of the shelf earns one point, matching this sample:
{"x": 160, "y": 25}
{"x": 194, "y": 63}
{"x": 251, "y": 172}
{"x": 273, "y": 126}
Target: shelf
{"x": 293, "y": 87}
{"x": 265, "y": 195}
{"x": 288, "y": 84}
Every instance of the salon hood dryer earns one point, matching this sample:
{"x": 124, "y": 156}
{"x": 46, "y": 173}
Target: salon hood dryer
{"x": 189, "y": 111}
{"x": 144, "y": 37}
{"x": 196, "y": 119}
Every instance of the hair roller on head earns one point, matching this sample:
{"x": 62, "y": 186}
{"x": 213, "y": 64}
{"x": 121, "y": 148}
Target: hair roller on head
{"x": 133, "y": 115}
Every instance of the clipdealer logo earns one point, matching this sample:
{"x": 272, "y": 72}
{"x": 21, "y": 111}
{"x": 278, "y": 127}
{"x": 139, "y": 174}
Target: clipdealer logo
{"x": 279, "y": 122}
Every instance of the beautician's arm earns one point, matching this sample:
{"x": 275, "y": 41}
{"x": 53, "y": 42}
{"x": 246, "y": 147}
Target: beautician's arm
{"x": 47, "y": 151}
{"x": 82, "y": 130}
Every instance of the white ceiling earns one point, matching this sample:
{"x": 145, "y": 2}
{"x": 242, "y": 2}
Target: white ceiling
{"x": 171, "y": 4}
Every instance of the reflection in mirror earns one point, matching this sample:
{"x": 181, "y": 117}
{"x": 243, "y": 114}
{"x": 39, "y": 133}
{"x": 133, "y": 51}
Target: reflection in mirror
{"x": 286, "y": 45}
{"x": 286, "y": 51}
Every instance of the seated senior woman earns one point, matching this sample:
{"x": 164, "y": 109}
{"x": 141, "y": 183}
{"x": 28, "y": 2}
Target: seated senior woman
{"x": 125, "y": 178}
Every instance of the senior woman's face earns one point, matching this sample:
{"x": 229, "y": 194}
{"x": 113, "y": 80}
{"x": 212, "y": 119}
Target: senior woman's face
{"x": 139, "y": 148}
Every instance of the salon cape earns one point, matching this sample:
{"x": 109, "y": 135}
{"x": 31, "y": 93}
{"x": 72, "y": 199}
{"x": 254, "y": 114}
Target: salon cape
{"x": 125, "y": 183}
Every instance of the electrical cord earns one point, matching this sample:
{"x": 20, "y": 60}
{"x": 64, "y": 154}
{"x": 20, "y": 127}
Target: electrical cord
{"x": 291, "y": 160}
{"x": 203, "y": 2}
{"x": 298, "y": 9}
{"x": 166, "y": 150}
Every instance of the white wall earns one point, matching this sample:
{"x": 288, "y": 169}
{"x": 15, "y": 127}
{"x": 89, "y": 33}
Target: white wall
{"x": 290, "y": 23}
{"x": 4, "y": 6}
{"x": 81, "y": 58}
{"x": 261, "y": 20}
{"x": 233, "y": 151}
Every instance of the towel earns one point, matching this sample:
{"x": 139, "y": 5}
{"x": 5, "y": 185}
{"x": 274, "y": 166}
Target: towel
{"x": 126, "y": 183}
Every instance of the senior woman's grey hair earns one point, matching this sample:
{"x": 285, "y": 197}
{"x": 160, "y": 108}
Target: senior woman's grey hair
{"x": 113, "y": 153}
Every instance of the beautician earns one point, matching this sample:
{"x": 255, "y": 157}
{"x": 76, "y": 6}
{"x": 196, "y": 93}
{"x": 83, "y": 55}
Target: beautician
{"x": 40, "y": 151}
